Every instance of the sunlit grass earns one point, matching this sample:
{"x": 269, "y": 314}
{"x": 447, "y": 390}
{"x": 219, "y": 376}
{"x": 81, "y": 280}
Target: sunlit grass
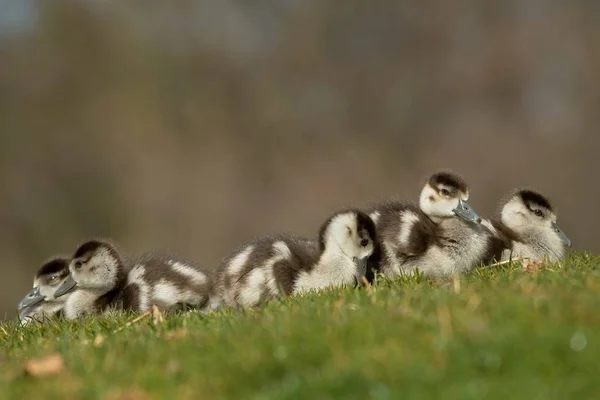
{"x": 497, "y": 333}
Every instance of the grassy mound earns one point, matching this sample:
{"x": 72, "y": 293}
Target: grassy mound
{"x": 502, "y": 333}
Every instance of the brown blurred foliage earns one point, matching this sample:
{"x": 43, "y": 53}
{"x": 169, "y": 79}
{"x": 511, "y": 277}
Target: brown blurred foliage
{"x": 193, "y": 126}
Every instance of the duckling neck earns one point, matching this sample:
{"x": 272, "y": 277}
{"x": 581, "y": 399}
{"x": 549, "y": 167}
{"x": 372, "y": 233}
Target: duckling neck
{"x": 52, "y": 307}
{"x": 79, "y": 303}
{"x": 333, "y": 267}
{"x": 85, "y": 301}
{"x": 539, "y": 243}
{"x": 464, "y": 242}
{"x": 436, "y": 219}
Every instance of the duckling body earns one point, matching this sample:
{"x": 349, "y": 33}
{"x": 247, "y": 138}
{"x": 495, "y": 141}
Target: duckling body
{"x": 102, "y": 281}
{"x": 167, "y": 282}
{"x": 527, "y": 228}
{"x": 439, "y": 238}
{"x": 40, "y": 304}
{"x": 282, "y": 265}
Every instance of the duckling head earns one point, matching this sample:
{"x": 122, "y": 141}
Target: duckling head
{"x": 527, "y": 210}
{"x": 47, "y": 279}
{"x": 446, "y": 195}
{"x": 352, "y": 233}
{"x": 95, "y": 266}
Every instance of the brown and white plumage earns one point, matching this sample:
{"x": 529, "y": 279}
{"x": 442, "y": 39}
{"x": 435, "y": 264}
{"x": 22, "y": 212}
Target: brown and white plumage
{"x": 527, "y": 228}
{"x": 440, "y": 237}
{"x": 40, "y": 304}
{"x": 280, "y": 265}
{"x": 101, "y": 280}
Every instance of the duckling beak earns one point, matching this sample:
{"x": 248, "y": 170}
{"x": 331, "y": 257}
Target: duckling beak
{"x": 464, "y": 211}
{"x": 361, "y": 267}
{"x": 561, "y": 235}
{"x": 67, "y": 286}
{"x": 32, "y": 298}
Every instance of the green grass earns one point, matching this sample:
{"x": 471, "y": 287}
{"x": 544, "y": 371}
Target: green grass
{"x": 502, "y": 333}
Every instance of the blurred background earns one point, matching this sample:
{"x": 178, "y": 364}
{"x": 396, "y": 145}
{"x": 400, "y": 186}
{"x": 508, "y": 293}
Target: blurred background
{"x": 193, "y": 126}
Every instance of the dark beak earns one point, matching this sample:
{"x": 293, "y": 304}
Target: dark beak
{"x": 361, "y": 267}
{"x": 31, "y": 298}
{"x": 68, "y": 286}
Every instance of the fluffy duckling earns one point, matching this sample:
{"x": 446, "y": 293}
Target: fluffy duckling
{"x": 282, "y": 265}
{"x": 170, "y": 283}
{"x": 96, "y": 281}
{"x": 527, "y": 228}
{"x": 101, "y": 281}
{"x": 441, "y": 237}
{"x": 40, "y": 303}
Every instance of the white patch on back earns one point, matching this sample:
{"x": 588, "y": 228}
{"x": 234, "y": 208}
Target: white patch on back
{"x": 375, "y": 216}
{"x": 390, "y": 265}
{"x": 251, "y": 290}
{"x": 165, "y": 292}
{"x": 169, "y": 294}
{"x": 136, "y": 277}
{"x": 282, "y": 250}
{"x": 407, "y": 220}
{"x": 236, "y": 264}
{"x": 195, "y": 276}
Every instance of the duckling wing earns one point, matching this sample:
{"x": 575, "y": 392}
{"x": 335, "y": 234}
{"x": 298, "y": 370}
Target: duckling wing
{"x": 403, "y": 232}
{"x": 167, "y": 281}
{"x": 302, "y": 255}
{"x": 408, "y": 231}
{"x": 259, "y": 270}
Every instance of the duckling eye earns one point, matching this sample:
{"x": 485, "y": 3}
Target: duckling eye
{"x": 538, "y": 212}
{"x": 78, "y": 264}
{"x": 52, "y": 278}
{"x": 444, "y": 192}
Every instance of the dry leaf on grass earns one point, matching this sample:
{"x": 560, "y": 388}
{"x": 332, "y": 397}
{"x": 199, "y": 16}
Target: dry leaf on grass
{"x": 509, "y": 261}
{"x": 157, "y": 316}
{"x": 98, "y": 340}
{"x": 533, "y": 266}
{"x": 456, "y": 283}
{"x": 133, "y": 321}
{"x": 51, "y": 365}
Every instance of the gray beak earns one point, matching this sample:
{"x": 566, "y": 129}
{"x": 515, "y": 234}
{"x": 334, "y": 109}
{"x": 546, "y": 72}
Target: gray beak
{"x": 465, "y": 212}
{"x": 23, "y": 312}
{"x": 31, "y": 298}
{"x": 561, "y": 234}
{"x": 67, "y": 286}
{"x": 361, "y": 268}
